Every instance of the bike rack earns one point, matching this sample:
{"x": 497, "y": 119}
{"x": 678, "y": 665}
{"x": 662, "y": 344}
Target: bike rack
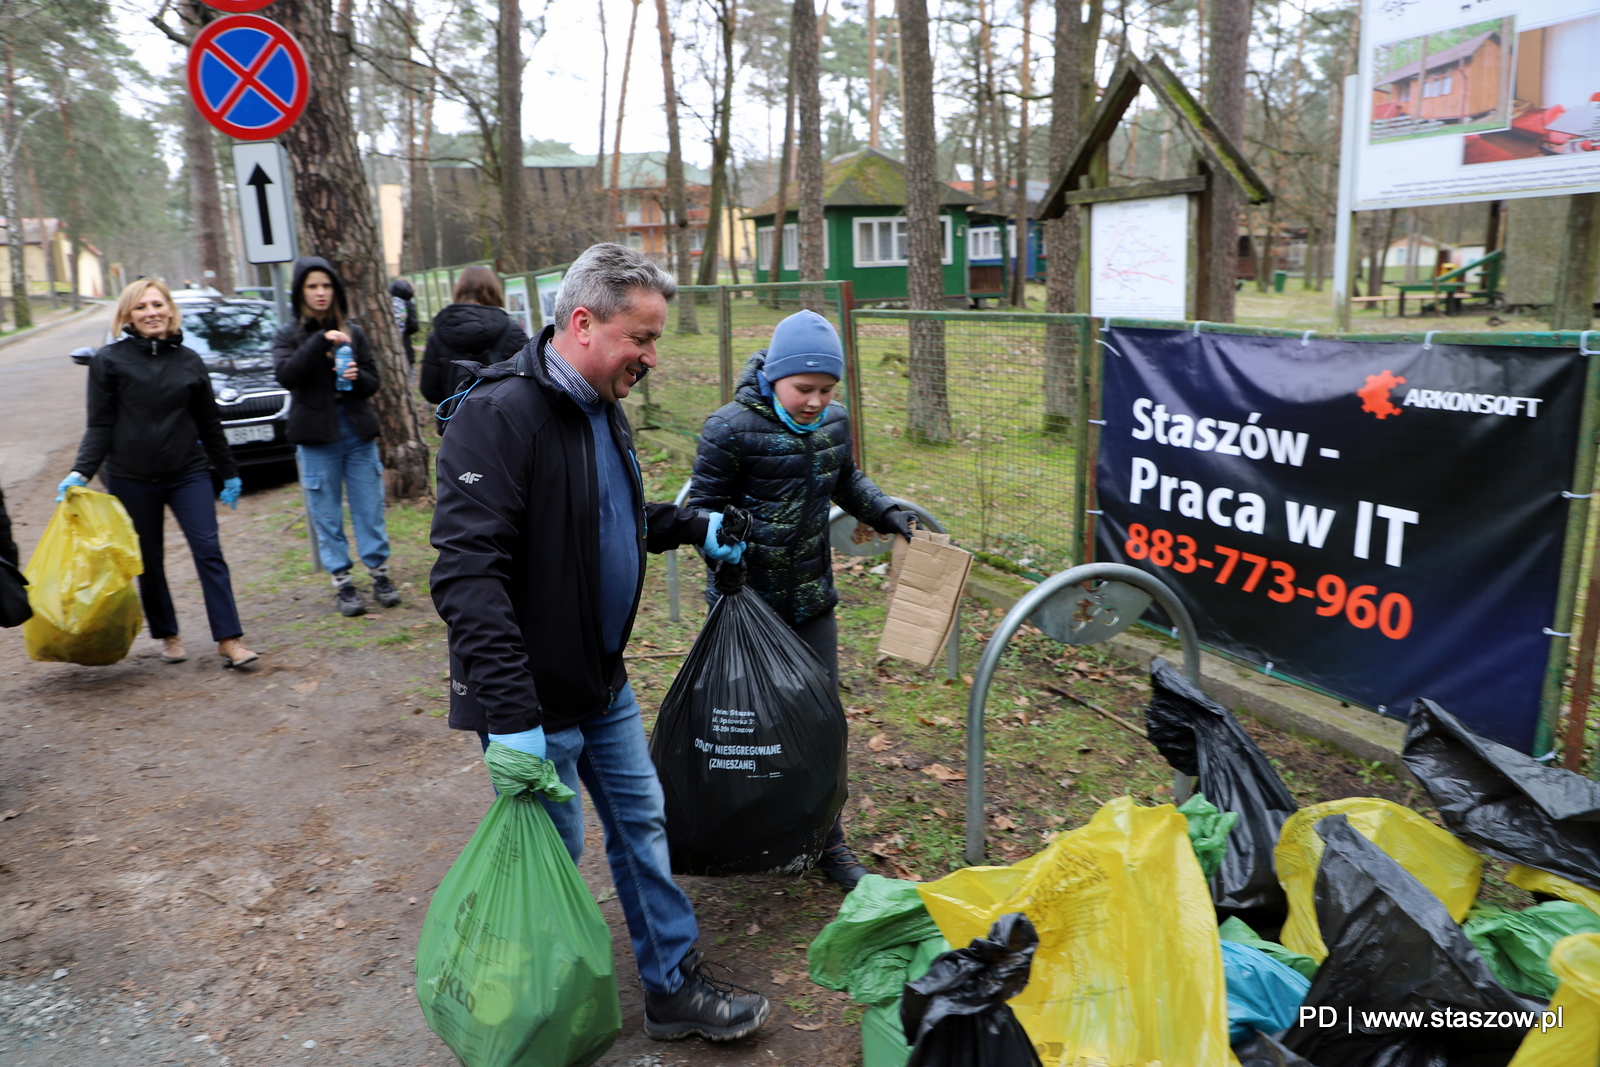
{"x": 842, "y": 533}
{"x": 1066, "y": 608}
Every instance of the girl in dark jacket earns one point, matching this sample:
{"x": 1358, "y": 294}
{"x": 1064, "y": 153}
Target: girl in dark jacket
{"x": 153, "y": 423}
{"x": 335, "y": 430}
{"x": 782, "y": 452}
{"x": 475, "y": 327}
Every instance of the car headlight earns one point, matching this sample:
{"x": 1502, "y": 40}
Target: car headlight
{"x": 229, "y": 393}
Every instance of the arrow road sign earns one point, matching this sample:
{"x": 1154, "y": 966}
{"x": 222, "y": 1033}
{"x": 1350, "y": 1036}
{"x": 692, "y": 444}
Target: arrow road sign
{"x": 266, "y": 205}
{"x": 248, "y": 77}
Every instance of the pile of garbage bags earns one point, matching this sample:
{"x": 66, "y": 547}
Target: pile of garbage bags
{"x": 80, "y": 583}
{"x": 1241, "y": 929}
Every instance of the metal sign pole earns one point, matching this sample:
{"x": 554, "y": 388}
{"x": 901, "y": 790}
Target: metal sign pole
{"x": 1344, "y": 216}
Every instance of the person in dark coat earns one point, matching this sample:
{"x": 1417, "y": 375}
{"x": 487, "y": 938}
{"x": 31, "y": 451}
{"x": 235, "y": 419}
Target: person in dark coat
{"x": 8, "y": 547}
{"x": 542, "y": 528}
{"x": 782, "y": 452}
{"x": 335, "y": 430}
{"x": 154, "y": 425}
{"x": 403, "y": 298}
{"x": 475, "y": 327}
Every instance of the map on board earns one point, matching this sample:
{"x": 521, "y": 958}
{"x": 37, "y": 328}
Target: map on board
{"x": 1139, "y": 258}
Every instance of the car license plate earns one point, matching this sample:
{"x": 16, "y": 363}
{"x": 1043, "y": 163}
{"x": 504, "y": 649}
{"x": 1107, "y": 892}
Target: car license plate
{"x": 243, "y": 435}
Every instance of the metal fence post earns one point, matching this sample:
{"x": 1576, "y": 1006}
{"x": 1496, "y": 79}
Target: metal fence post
{"x": 852, "y": 372}
{"x": 725, "y": 342}
{"x": 1030, "y": 603}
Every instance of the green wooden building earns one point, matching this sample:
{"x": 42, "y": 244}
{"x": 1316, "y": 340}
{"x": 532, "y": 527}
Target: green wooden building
{"x": 863, "y": 207}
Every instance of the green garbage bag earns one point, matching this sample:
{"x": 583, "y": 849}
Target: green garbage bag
{"x": 514, "y": 966}
{"x": 1238, "y": 931}
{"x": 883, "y": 1036}
{"x": 1208, "y": 832}
{"x": 1517, "y": 944}
{"x": 867, "y": 947}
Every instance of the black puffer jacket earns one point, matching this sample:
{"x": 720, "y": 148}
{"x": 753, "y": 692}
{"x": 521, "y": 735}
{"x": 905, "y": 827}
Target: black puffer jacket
{"x": 748, "y": 458}
{"x": 152, "y": 413}
{"x": 301, "y": 359}
{"x": 475, "y": 332}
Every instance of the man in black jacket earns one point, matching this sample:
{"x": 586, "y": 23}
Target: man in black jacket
{"x": 542, "y": 530}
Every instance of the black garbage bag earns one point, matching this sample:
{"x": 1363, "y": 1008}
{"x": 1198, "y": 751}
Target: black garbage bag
{"x": 956, "y": 1015}
{"x": 1401, "y": 978}
{"x": 1200, "y": 737}
{"x": 1502, "y": 802}
{"x": 749, "y": 745}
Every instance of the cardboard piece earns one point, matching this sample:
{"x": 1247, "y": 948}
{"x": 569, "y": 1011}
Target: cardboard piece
{"x": 927, "y": 576}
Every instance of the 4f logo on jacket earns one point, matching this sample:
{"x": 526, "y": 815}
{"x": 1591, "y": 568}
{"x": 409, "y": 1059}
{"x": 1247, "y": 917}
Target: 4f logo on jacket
{"x": 469, "y": 477}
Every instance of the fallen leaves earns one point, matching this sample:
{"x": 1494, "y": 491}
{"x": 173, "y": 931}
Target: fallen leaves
{"x": 306, "y": 687}
{"x": 782, "y": 978}
{"x": 940, "y": 773}
{"x": 808, "y": 1027}
{"x": 879, "y": 742}
{"x": 1004, "y": 822}
{"x": 752, "y": 930}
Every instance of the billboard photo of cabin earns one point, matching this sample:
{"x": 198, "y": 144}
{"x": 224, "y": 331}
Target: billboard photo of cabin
{"x": 1556, "y": 96}
{"x": 1452, "y": 82}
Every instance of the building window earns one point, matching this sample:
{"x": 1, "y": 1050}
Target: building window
{"x": 883, "y": 242}
{"x": 697, "y": 240}
{"x": 791, "y": 248}
{"x": 636, "y": 241}
{"x": 631, "y": 210}
{"x": 983, "y": 242}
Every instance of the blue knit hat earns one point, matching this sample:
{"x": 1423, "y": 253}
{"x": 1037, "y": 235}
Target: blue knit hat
{"x": 804, "y": 343}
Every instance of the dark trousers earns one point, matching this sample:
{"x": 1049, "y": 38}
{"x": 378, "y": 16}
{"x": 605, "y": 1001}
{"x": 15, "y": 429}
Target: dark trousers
{"x": 821, "y": 635}
{"x": 190, "y": 499}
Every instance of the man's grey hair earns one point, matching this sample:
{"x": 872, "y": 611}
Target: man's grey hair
{"x": 603, "y": 280}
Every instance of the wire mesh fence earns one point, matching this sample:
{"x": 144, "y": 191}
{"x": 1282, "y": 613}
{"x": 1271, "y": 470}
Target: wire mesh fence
{"x": 711, "y": 331}
{"x": 972, "y": 415}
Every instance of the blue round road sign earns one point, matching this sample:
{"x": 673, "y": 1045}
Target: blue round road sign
{"x": 248, "y": 77}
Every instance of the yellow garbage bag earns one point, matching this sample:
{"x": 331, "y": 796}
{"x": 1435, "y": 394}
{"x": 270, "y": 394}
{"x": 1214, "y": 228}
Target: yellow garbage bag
{"x": 1128, "y": 972}
{"x": 1433, "y": 855}
{"x": 1568, "y": 1033}
{"x": 80, "y": 583}
{"x": 1536, "y": 881}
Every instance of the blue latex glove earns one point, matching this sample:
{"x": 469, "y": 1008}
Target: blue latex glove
{"x": 231, "y": 488}
{"x": 71, "y": 480}
{"x": 529, "y": 741}
{"x": 720, "y": 553}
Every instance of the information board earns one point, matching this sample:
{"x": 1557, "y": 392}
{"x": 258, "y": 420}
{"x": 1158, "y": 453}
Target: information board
{"x": 1381, "y": 521}
{"x": 1139, "y": 258}
{"x": 1492, "y": 100}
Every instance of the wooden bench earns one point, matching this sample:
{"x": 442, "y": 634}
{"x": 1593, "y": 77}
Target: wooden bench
{"x": 1379, "y": 301}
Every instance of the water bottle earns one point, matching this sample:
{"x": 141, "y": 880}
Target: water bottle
{"x": 342, "y": 357}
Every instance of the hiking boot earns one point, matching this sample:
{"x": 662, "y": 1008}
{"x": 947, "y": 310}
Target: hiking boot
{"x": 234, "y": 654}
{"x": 172, "y": 650}
{"x": 349, "y": 601}
{"x": 384, "y": 592}
{"x": 838, "y": 862}
{"x": 704, "y": 1006}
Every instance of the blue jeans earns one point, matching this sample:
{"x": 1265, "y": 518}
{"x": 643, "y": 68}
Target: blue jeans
{"x": 353, "y": 464}
{"x": 195, "y": 508}
{"x": 608, "y": 753}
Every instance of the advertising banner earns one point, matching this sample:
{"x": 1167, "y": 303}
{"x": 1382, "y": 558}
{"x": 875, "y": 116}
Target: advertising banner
{"x": 1380, "y": 521}
{"x": 1492, "y": 100}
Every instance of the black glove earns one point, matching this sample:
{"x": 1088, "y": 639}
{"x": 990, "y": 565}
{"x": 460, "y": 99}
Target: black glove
{"x": 728, "y": 578}
{"x": 900, "y": 520}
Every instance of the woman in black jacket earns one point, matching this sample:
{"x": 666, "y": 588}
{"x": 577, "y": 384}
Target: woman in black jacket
{"x": 476, "y": 327}
{"x": 334, "y": 429}
{"x": 153, "y": 423}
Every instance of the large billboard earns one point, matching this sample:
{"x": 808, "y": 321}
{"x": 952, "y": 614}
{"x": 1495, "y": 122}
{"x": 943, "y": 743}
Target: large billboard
{"x": 1492, "y": 100}
{"x": 1381, "y": 521}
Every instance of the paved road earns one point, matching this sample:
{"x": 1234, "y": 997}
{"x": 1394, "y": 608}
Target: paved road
{"x": 41, "y": 400}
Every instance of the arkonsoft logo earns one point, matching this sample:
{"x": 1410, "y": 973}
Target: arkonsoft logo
{"x": 1377, "y": 399}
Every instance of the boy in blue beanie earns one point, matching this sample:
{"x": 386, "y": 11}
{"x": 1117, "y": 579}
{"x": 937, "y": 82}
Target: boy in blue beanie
{"x": 782, "y": 452}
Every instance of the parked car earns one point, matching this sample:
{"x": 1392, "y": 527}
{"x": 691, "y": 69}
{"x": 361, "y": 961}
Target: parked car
{"x": 234, "y": 338}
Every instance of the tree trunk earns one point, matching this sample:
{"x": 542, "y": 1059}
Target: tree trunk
{"x": 1225, "y": 98}
{"x": 677, "y": 196}
{"x": 808, "y": 100}
{"x": 928, "y": 403}
{"x": 874, "y": 78}
{"x": 781, "y": 206}
{"x": 1580, "y": 257}
{"x": 622, "y": 105}
{"x": 337, "y": 221}
{"x": 1019, "y": 263}
{"x": 728, "y": 11}
{"x": 513, "y": 199}
{"x": 74, "y": 216}
{"x": 1062, "y": 236}
{"x": 10, "y": 137}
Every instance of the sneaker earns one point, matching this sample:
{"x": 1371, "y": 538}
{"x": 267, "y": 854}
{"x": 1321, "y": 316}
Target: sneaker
{"x": 172, "y": 650}
{"x": 838, "y": 862}
{"x": 349, "y": 601}
{"x": 704, "y": 1006}
{"x": 234, "y": 654}
{"x": 384, "y": 592}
